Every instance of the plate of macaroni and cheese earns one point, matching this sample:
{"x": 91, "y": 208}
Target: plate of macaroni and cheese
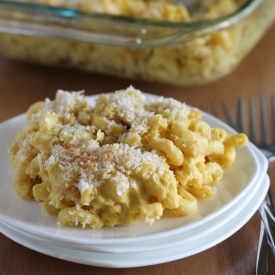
{"x": 121, "y": 168}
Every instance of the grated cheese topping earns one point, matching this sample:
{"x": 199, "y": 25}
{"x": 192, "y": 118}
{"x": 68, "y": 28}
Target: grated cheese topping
{"x": 65, "y": 100}
{"x": 169, "y": 106}
{"x": 129, "y": 104}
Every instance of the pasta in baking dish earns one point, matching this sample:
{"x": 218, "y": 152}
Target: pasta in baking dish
{"x": 117, "y": 162}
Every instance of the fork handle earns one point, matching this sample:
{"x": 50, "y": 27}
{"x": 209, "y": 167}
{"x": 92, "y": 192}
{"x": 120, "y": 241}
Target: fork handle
{"x": 262, "y": 255}
{"x": 268, "y": 219}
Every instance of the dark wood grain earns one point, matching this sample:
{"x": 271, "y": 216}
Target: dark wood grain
{"x": 22, "y": 84}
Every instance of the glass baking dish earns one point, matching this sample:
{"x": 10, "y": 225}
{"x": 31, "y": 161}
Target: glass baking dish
{"x": 179, "y": 45}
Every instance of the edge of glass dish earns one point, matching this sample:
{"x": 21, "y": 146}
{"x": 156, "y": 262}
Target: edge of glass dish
{"x": 66, "y": 23}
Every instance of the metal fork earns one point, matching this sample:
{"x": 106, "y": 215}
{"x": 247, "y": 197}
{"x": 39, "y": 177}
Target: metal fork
{"x": 266, "y": 247}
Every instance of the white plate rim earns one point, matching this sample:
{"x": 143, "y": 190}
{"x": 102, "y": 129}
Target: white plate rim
{"x": 121, "y": 261}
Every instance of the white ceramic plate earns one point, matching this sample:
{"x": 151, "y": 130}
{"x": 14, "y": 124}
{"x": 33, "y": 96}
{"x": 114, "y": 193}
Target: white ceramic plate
{"x": 126, "y": 260}
{"x": 28, "y": 215}
{"x": 165, "y": 242}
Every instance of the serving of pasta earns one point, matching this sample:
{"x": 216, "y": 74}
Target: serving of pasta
{"x": 128, "y": 157}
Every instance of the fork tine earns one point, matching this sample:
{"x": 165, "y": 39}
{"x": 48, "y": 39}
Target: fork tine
{"x": 201, "y": 107}
{"x": 252, "y": 134}
{"x": 227, "y": 115}
{"x": 214, "y": 110}
{"x": 263, "y": 122}
{"x": 240, "y": 116}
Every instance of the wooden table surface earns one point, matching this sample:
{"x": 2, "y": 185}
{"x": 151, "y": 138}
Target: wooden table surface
{"x": 22, "y": 84}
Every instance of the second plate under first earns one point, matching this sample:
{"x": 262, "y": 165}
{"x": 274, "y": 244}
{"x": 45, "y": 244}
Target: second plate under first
{"x": 176, "y": 239}
{"x": 126, "y": 260}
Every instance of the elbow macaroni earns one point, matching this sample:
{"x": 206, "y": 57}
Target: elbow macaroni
{"x": 120, "y": 161}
